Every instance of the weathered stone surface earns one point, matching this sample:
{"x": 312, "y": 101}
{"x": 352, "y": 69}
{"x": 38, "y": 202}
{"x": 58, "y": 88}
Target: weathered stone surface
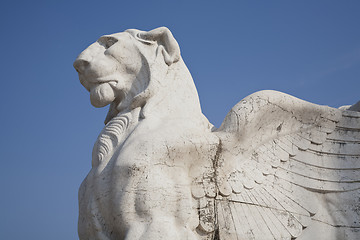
{"x": 277, "y": 168}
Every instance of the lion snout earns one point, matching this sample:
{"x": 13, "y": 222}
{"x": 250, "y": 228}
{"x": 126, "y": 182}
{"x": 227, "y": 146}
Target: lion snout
{"x": 80, "y": 65}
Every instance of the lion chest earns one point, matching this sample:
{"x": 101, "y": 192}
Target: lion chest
{"x": 149, "y": 175}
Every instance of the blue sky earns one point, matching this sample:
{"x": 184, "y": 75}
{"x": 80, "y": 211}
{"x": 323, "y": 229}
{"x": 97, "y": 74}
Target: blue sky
{"x": 309, "y": 49}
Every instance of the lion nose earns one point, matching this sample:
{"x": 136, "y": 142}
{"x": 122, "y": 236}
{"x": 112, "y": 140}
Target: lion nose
{"x": 80, "y": 65}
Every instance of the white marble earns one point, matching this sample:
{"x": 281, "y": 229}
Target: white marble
{"x": 277, "y": 168}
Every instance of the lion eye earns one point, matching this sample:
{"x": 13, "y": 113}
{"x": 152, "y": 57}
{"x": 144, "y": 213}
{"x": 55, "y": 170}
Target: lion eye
{"x": 107, "y": 41}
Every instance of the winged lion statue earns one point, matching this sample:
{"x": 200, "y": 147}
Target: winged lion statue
{"x": 277, "y": 168}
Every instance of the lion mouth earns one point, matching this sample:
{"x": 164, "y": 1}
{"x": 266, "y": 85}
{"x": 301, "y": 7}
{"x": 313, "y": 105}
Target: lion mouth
{"x": 113, "y": 83}
{"x": 89, "y": 83}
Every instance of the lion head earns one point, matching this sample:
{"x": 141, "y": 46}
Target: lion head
{"x": 126, "y": 69}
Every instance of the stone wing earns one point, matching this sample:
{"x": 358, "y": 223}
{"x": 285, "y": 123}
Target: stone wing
{"x": 278, "y": 155}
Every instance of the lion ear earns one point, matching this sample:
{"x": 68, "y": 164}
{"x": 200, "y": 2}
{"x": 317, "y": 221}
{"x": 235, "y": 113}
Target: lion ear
{"x": 167, "y": 45}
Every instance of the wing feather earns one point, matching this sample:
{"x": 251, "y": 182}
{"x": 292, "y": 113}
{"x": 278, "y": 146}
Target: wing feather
{"x": 286, "y": 221}
{"x": 269, "y": 219}
{"x": 327, "y": 161}
{"x": 229, "y": 222}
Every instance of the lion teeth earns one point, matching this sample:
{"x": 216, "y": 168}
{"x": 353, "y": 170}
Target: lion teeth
{"x": 113, "y": 83}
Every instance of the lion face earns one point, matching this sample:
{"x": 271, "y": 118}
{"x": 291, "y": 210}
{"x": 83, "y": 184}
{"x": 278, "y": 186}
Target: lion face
{"x": 125, "y": 69}
{"x": 109, "y": 67}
